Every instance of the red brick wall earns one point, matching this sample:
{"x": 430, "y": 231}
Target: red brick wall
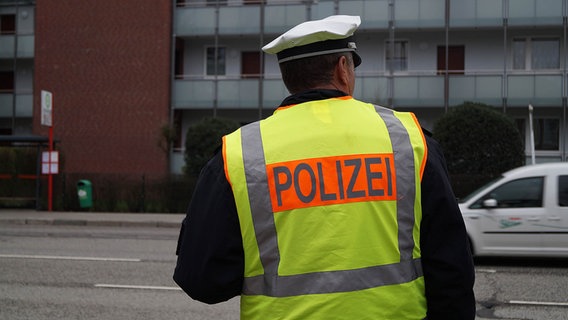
{"x": 107, "y": 64}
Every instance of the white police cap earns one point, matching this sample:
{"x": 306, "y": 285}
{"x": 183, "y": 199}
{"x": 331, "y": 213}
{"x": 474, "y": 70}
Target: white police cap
{"x": 313, "y": 38}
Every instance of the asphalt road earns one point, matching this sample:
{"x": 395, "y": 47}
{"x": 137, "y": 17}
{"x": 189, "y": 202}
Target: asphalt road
{"x": 522, "y": 288}
{"x": 66, "y": 272}
{"x": 90, "y": 272}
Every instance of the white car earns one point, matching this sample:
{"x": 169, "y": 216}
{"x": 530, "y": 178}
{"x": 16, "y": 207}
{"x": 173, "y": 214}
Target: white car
{"x": 522, "y": 213}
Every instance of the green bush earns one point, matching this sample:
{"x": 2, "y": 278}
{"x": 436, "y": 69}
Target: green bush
{"x": 202, "y": 139}
{"x": 478, "y": 140}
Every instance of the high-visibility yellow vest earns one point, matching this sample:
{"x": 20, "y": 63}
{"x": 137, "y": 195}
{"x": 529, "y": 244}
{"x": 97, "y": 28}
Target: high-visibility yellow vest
{"x": 328, "y": 199}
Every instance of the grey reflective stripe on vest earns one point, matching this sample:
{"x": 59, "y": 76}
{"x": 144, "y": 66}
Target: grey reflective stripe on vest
{"x": 260, "y": 206}
{"x": 405, "y": 180}
{"x": 270, "y": 283}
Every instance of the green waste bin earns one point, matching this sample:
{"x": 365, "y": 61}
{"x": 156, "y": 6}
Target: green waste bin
{"x": 85, "y": 193}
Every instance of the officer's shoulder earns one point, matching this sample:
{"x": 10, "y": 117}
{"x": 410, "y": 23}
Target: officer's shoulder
{"x": 426, "y": 132}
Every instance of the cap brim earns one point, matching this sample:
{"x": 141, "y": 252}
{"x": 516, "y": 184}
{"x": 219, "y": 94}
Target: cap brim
{"x": 356, "y": 59}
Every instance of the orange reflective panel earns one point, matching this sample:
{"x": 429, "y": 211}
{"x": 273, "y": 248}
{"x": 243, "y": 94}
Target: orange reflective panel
{"x": 331, "y": 180}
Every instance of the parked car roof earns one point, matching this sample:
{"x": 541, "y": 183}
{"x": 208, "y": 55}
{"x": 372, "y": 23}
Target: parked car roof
{"x": 537, "y": 168}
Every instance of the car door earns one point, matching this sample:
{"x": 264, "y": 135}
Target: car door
{"x": 555, "y": 239}
{"x": 511, "y": 215}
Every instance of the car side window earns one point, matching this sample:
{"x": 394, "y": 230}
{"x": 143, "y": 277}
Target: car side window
{"x": 563, "y": 191}
{"x": 520, "y": 193}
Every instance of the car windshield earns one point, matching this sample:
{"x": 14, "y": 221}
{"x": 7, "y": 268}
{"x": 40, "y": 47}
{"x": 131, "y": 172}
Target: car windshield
{"x": 478, "y": 190}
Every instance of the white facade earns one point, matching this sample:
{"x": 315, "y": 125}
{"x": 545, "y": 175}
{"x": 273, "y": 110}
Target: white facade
{"x": 504, "y": 53}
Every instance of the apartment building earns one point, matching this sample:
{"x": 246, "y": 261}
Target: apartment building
{"x": 16, "y": 67}
{"x": 424, "y": 56}
{"x": 107, "y": 65}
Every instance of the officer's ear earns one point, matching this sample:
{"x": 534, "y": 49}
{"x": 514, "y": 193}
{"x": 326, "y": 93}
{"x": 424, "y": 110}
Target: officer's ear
{"x": 342, "y": 70}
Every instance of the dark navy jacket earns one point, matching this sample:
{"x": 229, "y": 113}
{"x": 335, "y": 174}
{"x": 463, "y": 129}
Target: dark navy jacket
{"x": 210, "y": 263}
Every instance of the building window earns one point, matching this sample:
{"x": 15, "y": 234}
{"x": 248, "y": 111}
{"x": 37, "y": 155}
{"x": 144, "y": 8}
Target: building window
{"x": 5, "y": 132}
{"x": 215, "y": 61}
{"x": 456, "y": 60}
{"x": 521, "y": 124}
{"x": 178, "y": 123}
{"x": 6, "y": 81}
{"x": 546, "y": 133}
{"x": 519, "y": 54}
{"x": 396, "y": 55}
{"x": 7, "y": 24}
{"x": 536, "y": 53}
{"x": 178, "y": 58}
{"x": 545, "y": 54}
{"x": 250, "y": 64}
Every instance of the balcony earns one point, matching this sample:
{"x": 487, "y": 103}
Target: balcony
{"x": 412, "y": 90}
{"x": 482, "y": 88}
{"x": 418, "y": 91}
{"x": 231, "y": 93}
{"x": 24, "y": 105}
{"x": 542, "y": 89}
{"x": 420, "y": 14}
{"x": 476, "y": 13}
{"x": 25, "y": 46}
{"x": 235, "y": 18}
{"x": 374, "y": 14}
{"x": 490, "y": 13}
{"x": 535, "y": 13}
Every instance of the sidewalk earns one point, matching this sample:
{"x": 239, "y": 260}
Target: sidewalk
{"x": 101, "y": 219}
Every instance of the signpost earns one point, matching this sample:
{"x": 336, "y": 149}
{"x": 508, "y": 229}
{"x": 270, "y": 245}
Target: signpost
{"x": 531, "y": 133}
{"x": 50, "y": 162}
{"x": 50, "y": 159}
{"x": 46, "y": 108}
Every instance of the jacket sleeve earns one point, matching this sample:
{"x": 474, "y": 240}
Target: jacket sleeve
{"x": 446, "y": 257}
{"x": 210, "y": 263}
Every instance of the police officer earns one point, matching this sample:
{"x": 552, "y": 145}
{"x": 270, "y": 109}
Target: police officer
{"x": 331, "y": 208}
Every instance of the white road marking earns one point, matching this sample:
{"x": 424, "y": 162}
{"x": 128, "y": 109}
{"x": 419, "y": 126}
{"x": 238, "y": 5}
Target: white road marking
{"x": 24, "y": 256}
{"x": 486, "y": 270}
{"x": 121, "y": 286}
{"x": 540, "y": 303}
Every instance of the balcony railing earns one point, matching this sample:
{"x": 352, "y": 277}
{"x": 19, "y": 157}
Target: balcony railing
{"x": 535, "y": 12}
{"x": 537, "y": 89}
{"x": 483, "y": 13}
{"x": 231, "y": 93}
{"x": 25, "y": 46}
{"x": 418, "y": 89}
{"x": 483, "y": 88}
{"x": 24, "y": 105}
{"x": 240, "y": 17}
